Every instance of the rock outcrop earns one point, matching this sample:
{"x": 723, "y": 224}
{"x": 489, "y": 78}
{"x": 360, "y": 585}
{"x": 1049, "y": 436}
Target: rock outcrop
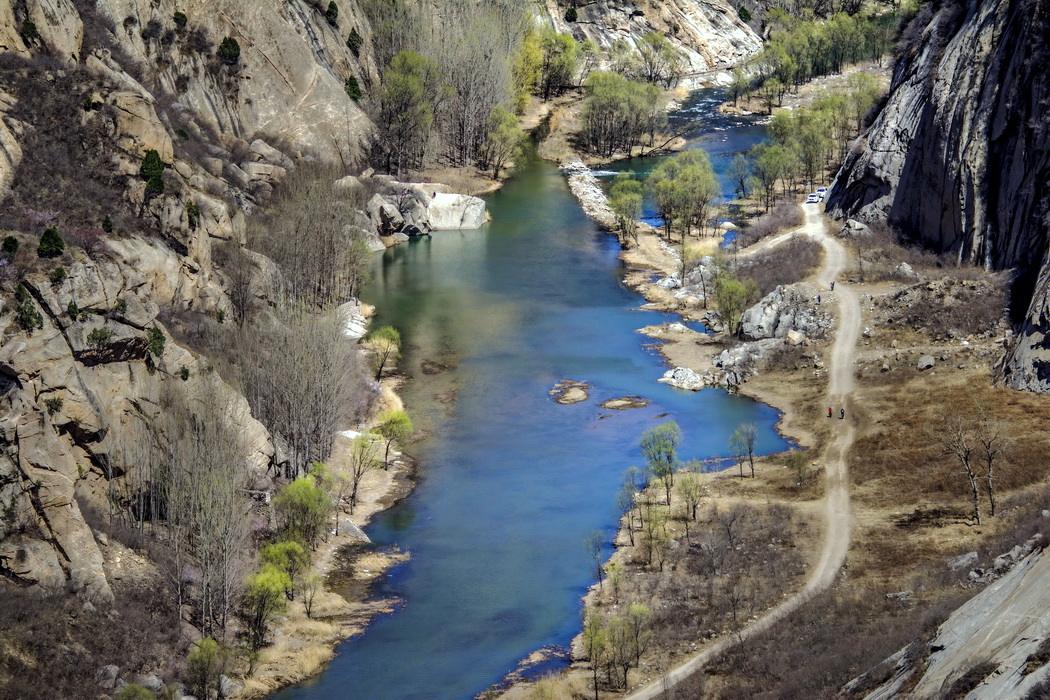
{"x": 1001, "y": 630}
{"x": 786, "y": 309}
{"x": 960, "y": 154}
{"x": 84, "y": 350}
{"x": 708, "y": 33}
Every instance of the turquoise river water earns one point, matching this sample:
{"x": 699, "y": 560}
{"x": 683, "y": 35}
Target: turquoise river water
{"x": 512, "y": 482}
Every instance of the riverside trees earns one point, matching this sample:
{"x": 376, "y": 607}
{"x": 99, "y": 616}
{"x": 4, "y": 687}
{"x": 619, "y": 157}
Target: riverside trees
{"x": 619, "y": 113}
{"x": 443, "y": 84}
{"x": 625, "y": 199}
{"x": 685, "y": 190}
{"x": 804, "y": 142}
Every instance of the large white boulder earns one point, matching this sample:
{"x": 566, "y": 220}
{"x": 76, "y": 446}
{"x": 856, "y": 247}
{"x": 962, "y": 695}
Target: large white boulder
{"x": 684, "y": 378}
{"x": 447, "y": 211}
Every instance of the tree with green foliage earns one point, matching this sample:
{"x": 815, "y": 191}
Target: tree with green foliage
{"x": 690, "y": 487}
{"x": 10, "y": 246}
{"x": 394, "y": 426}
{"x": 594, "y": 543}
{"x": 229, "y": 51}
{"x": 332, "y": 14}
{"x": 526, "y": 68}
{"x": 558, "y": 64}
{"x": 639, "y": 617}
{"x": 353, "y": 42}
{"x": 302, "y": 509}
{"x": 134, "y": 691}
{"x": 685, "y": 189}
{"x": 364, "y": 458}
{"x": 353, "y": 89}
{"x": 740, "y": 174}
{"x": 733, "y": 296}
{"x": 773, "y": 163}
{"x": 385, "y": 344}
{"x": 156, "y": 340}
{"x": 264, "y": 599}
{"x": 152, "y": 171}
{"x": 625, "y": 199}
{"x": 180, "y": 19}
{"x": 571, "y": 14}
{"x": 29, "y": 33}
{"x": 205, "y": 664}
{"x": 51, "y": 244}
{"x": 28, "y": 316}
{"x": 744, "y": 14}
{"x": 100, "y": 337}
{"x": 411, "y": 86}
{"x": 290, "y": 557}
{"x": 619, "y": 112}
{"x": 740, "y": 85}
{"x": 504, "y": 141}
{"x": 595, "y": 646}
{"x": 661, "y": 62}
{"x": 660, "y": 448}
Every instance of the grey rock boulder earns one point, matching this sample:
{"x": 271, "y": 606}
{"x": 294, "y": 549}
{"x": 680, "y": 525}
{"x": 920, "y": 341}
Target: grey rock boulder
{"x": 229, "y": 688}
{"x": 786, "y": 308}
{"x": 386, "y": 219}
{"x": 925, "y": 362}
{"x": 684, "y": 378}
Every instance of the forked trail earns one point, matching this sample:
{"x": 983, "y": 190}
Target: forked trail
{"x": 836, "y": 499}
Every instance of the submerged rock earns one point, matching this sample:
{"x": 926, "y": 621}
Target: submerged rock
{"x": 626, "y": 402}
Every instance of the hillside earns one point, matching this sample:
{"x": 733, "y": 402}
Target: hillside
{"x": 709, "y": 34}
{"x": 958, "y": 158}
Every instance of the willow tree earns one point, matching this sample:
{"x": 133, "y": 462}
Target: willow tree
{"x": 660, "y": 448}
{"x": 625, "y": 199}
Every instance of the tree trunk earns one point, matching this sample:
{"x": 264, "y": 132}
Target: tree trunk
{"x": 976, "y": 496}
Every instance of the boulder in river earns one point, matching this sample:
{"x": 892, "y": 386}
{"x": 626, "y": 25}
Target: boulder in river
{"x": 569, "y": 391}
{"x": 625, "y": 402}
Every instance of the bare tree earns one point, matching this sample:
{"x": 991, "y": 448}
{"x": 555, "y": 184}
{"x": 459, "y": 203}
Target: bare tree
{"x": 748, "y": 437}
{"x": 992, "y": 441}
{"x": 958, "y": 441}
{"x": 203, "y": 475}
{"x": 302, "y": 378}
{"x": 309, "y": 233}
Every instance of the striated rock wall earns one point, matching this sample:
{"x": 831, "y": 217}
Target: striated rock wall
{"x": 132, "y": 80}
{"x": 959, "y": 157}
{"x": 709, "y": 33}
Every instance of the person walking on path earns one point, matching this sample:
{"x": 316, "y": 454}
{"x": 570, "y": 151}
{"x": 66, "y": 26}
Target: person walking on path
{"x": 842, "y": 413}
{"x": 829, "y": 411}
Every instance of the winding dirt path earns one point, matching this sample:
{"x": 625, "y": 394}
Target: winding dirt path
{"x": 836, "y": 500}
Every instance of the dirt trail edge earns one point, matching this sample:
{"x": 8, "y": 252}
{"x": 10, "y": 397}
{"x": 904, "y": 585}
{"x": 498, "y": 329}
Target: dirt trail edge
{"x": 836, "y": 500}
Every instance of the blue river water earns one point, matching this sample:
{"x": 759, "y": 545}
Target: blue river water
{"x": 512, "y": 483}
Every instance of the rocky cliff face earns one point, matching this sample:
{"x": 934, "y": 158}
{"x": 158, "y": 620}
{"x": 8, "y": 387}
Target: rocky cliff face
{"x": 959, "y": 157}
{"x": 87, "y": 89}
{"x": 709, "y": 33}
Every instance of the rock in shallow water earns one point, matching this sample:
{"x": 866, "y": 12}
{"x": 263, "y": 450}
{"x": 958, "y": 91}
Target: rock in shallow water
{"x": 569, "y": 391}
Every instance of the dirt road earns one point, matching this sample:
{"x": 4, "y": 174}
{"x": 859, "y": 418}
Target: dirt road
{"x": 836, "y": 502}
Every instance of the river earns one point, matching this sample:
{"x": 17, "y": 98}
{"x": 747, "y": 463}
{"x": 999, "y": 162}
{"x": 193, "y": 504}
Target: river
{"x": 512, "y": 482}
